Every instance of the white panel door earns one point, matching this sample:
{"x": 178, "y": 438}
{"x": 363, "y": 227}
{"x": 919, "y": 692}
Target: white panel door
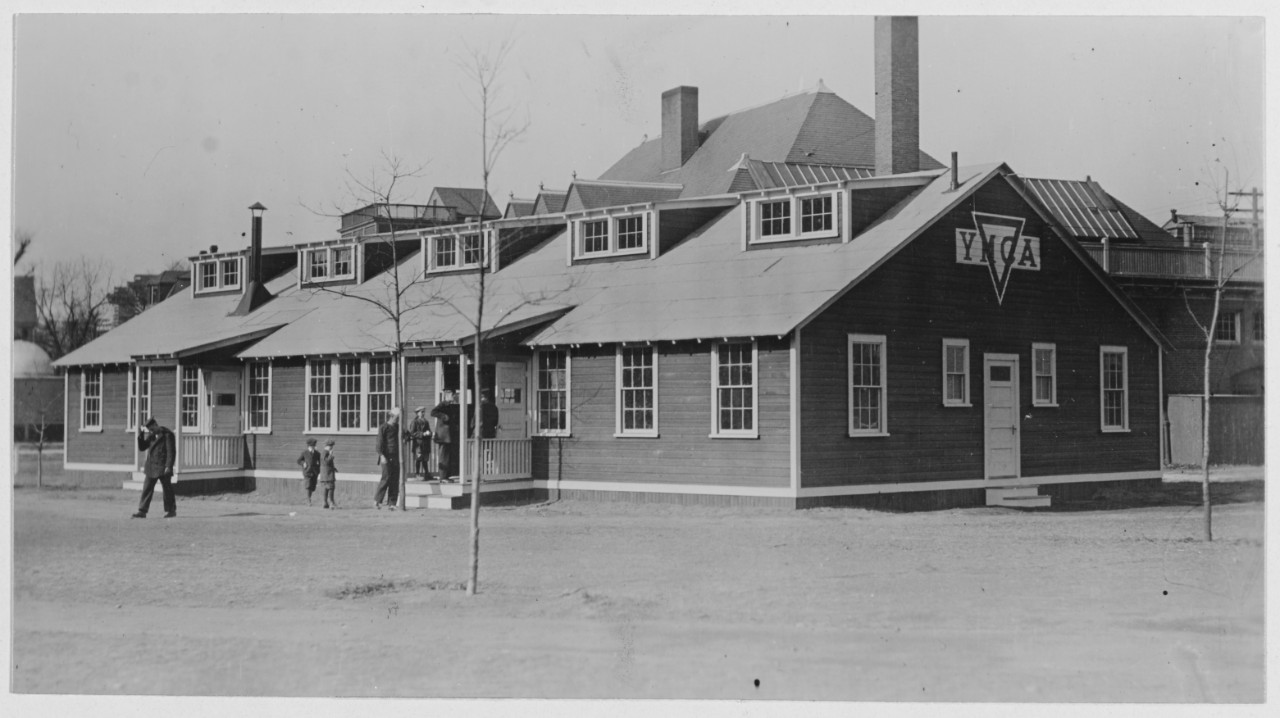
{"x": 1000, "y": 415}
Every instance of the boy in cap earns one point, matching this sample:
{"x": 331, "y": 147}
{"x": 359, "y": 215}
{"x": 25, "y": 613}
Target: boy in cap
{"x": 309, "y": 460}
{"x": 328, "y": 476}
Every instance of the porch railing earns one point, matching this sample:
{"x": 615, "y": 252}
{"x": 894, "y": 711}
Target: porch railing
{"x": 500, "y": 458}
{"x": 203, "y": 452}
{"x": 1175, "y": 262}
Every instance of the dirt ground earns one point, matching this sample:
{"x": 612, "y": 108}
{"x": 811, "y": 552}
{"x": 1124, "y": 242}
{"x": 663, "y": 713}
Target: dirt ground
{"x": 1109, "y": 600}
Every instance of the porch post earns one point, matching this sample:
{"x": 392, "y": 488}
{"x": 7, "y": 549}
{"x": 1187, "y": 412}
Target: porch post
{"x": 177, "y": 418}
{"x": 464, "y": 452}
{"x": 137, "y": 412}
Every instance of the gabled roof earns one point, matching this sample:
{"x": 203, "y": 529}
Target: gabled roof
{"x": 550, "y": 201}
{"x": 518, "y": 208}
{"x": 182, "y": 325}
{"x": 467, "y": 201}
{"x": 816, "y": 127}
{"x": 594, "y": 194}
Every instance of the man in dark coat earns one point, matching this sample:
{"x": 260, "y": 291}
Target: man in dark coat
{"x": 488, "y": 416}
{"x": 161, "y": 450}
{"x": 446, "y": 414}
{"x": 389, "y": 459}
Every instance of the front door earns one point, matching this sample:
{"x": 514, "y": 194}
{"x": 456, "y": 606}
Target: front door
{"x": 222, "y": 400}
{"x": 511, "y": 396}
{"x": 1000, "y": 415}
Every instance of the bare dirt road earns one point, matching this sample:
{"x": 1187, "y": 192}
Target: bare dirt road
{"x": 1106, "y": 601}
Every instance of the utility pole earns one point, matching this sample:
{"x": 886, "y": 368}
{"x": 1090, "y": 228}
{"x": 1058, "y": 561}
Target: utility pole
{"x": 1253, "y": 195}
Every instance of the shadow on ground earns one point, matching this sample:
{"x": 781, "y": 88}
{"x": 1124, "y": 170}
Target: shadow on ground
{"x": 1181, "y": 493}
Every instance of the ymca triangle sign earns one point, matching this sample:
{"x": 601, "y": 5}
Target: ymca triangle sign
{"x": 997, "y": 243}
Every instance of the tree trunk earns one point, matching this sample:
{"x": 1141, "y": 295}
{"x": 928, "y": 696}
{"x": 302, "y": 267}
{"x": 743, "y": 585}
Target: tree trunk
{"x": 403, "y": 398}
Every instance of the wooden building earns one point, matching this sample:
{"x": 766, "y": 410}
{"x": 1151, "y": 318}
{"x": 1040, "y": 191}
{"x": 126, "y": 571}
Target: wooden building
{"x": 789, "y": 305}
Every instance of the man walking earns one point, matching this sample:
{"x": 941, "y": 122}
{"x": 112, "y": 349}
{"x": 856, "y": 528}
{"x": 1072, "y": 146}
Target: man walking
{"x": 389, "y": 459}
{"x": 158, "y": 442}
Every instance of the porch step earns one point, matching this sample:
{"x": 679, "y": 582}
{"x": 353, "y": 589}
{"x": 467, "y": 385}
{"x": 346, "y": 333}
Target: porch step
{"x": 1019, "y": 497}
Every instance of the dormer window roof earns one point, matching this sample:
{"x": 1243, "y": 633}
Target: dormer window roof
{"x": 217, "y": 273}
{"x": 328, "y": 262}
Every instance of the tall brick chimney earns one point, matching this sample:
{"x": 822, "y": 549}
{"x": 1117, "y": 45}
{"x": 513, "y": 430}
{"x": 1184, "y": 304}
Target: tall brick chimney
{"x": 897, "y": 95}
{"x": 679, "y": 126}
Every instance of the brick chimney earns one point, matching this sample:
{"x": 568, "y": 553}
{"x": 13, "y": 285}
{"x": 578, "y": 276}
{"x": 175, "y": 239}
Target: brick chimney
{"x": 897, "y": 95}
{"x": 679, "y": 126}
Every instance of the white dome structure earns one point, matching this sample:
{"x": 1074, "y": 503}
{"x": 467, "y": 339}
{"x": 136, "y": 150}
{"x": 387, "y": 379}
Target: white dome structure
{"x": 30, "y": 360}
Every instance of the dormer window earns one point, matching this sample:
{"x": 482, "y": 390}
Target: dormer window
{"x": 794, "y": 217}
{"x": 451, "y": 252}
{"x": 218, "y": 275}
{"x": 328, "y": 264}
{"x": 611, "y": 236}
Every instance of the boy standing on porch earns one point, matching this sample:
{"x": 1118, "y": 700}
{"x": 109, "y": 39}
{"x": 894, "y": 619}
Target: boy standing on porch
{"x": 309, "y": 460}
{"x": 158, "y": 442}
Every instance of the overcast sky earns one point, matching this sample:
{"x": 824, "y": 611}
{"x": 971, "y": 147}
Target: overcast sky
{"x": 143, "y": 139}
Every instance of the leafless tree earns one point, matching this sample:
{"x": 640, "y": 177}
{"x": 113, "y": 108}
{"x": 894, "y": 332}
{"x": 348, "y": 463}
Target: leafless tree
{"x": 34, "y": 401}
{"x": 1221, "y": 277}
{"x": 71, "y": 302}
{"x": 21, "y": 242}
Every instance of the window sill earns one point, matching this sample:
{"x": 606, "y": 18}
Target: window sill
{"x": 91, "y": 430}
{"x": 619, "y": 253}
{"x": 1045, "y": 406}
{"x": 636, "y": 435}
{"x": 338, "y": 432}
{"x": 260, "y": 432}
{"x": 868, "y": 435}
{"x": 954, "y": 405}
{"x": 553, "y": 434}
{"x": 739, "y": 435}
{"x": 1115, "y": 430}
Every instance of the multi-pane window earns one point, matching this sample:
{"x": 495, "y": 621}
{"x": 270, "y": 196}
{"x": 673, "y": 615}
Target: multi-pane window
{"x": 816, "y": 214}
{"x": 1259, "y": 327}
{"x": 1044, "y": 375}
{"x": 230, "y": 272}
{"x": 323, "y": 264}
{"x": 139, "y": 396}
{"x": 775, "y": 218}
{"x": 1227, "y": 329}
{"x": 472, "y": 249}
{"x": 867, "y": 405}
{"x": 1115, "y": 388}
{"x": 637, "y": 389}
{"x": 319, "y": 396}
{"x": 630, "y": 232}
{"x": 595, "y": 236}
{"x": 381, "y": 390}
{"x": 446, "y": 250}
{"x": 609, "y": 236}
{"x": 349, "y": 395}
{"x": 792, "y": 217}
{"x": 213, "y": 275}
{"x": 259, "y": 405}
{"x": 189, "y": 399}
{"x": 91, "y": 399}
{"x": 734, "y": 389}
{"x": 553, "y": 392}
{"x": 955, "y": 372}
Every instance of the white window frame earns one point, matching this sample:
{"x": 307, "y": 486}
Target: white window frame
{"x": 1234, "y": 316}
{"x": 429, "y": 247}
{"x": 197, "y": 277}
{"x": 882, "y": 341}
{"x": 717, "y": 432}
{"x": 1036, "y": 399}
{"x": 199, "y": 395}
{"x": 611, "y": 221}
{"x": 966, "y": 398}
{"x": 1103, "y": 351}
{"x": 250, "y": 395}
{"x": 364, "y": 426}
{"x": 620, "y": 429}
{"x": 85, "y": 399}
{"x": 139, "y": 403}
{"x": 538, "y": 430}
{"x": 796, "y": 202}
{"x": 330, "y": 261}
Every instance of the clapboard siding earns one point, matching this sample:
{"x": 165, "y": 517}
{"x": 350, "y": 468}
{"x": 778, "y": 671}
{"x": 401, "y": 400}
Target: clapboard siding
{"x": 683, "y": 452}
{"x": 115, "y": 443}
{"x": 921, "y": 296}
{"x": 164, "y": 396}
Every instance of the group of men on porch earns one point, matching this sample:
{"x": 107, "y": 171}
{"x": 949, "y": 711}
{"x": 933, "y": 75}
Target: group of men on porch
{"x": 421, "y": 436}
